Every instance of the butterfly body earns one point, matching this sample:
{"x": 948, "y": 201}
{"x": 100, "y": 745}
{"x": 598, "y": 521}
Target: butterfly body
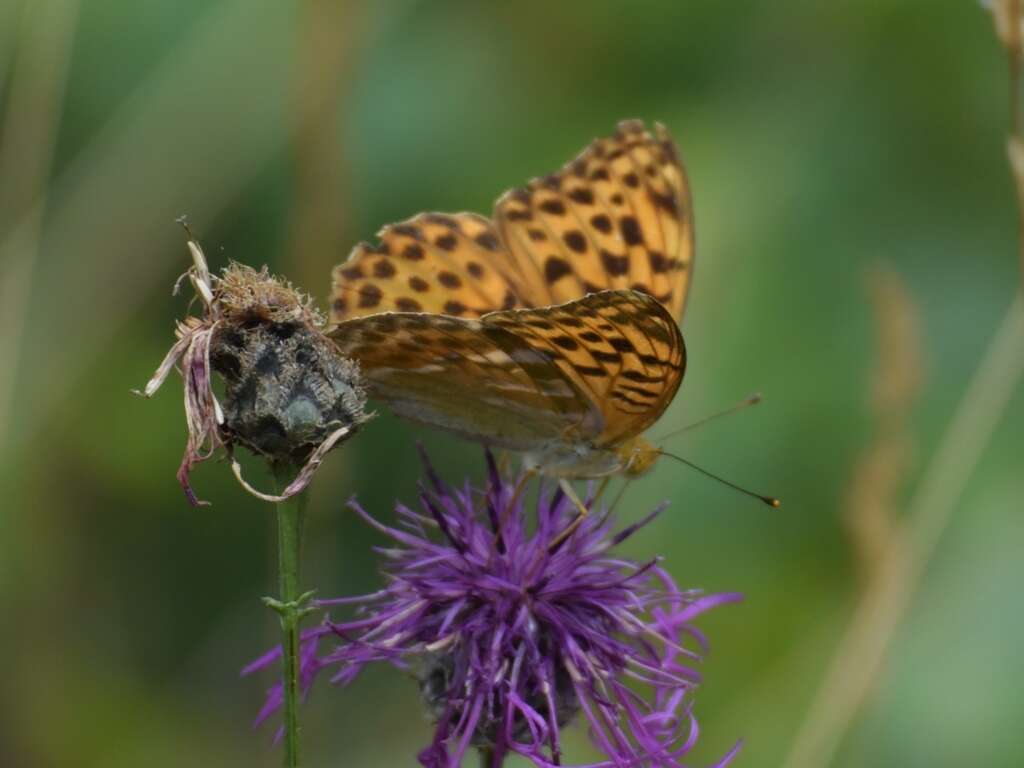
{"x": 581, "y": 461}
{"x": 573, "y": 460}
{"x": 551, "y": 330}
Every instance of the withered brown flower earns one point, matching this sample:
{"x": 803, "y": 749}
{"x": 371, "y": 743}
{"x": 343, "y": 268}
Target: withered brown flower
{"x": 289, "y": 395}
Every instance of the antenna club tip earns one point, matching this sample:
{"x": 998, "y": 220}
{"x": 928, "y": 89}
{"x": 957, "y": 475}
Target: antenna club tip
{"x": 183, "y": 221}
{"x": 755, "y": 398}
{"x": 772, "y": 502}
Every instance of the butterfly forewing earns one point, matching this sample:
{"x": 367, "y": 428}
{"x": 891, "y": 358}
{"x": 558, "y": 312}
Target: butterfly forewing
{"x": 597, "y": 369}
{"x": 481, "y": 381}
{"x": 620, "y": 348}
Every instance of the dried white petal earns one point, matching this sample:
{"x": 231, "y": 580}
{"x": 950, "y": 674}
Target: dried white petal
{"x": 305, "y": 475}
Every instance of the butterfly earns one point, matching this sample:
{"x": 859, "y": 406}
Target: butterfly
{"x": 551, "y": 329}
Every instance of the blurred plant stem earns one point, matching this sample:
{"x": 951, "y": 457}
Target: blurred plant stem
{"x": 329, "y": 34}
{"x": 28, "y": 135}
{"x": 861, "y": 652}
{"x": 487, "y": 758}
{"x": 872, "y": 498}
{"x": 1007, "y": 17}
{"x": 291, "y": 607}
{"x": 860, "y": 656}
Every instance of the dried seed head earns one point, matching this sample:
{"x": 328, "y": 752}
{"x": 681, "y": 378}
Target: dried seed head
{"x": 286, "y": 388}
{"x": 289, "y": 396}
{"x": 246, "y": 296}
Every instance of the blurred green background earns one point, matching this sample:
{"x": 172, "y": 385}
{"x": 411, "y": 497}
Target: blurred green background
{"x": 821, "y": 140}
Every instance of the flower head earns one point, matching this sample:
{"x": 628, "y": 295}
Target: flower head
{"x": 290, "y": 396}
{"x": 512, "y": 638}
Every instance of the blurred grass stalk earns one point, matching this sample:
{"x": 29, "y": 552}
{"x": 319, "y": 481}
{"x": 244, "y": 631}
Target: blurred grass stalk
{"x": 898, "y": 567}
{"x": 861, "y": 652}
{"x": 41, "y": 55}
{"x": 872, "y": 499}
{"x": 328, "y": 31}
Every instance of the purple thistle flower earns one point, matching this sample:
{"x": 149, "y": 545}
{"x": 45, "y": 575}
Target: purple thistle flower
{"x": 511, "y": 641}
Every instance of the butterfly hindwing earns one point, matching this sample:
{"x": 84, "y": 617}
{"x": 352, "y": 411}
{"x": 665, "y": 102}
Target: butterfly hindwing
{"x": 451, "y": 264}
{"x": 617, "y": 217}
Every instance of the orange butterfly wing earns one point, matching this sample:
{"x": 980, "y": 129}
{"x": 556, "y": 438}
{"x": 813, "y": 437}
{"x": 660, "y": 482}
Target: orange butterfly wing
{"x": 598, "y": 369}
{"x": 483, "y": 381}
{"x": 622, "y": 349}
{"x": 450, "y": 264}
{"x": 434, "y": 312}
{"x": 616, "y": 217}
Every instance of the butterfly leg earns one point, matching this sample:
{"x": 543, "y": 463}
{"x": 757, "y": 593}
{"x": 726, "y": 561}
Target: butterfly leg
{"x": 581, "y": 514}
{"x": 528, "y": 474}
{"x": 619, "y": 495}
{"x": 504, "y": 463}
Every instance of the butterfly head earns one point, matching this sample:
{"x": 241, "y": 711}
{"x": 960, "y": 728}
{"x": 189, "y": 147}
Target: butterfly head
{"x": 638, "y": 456}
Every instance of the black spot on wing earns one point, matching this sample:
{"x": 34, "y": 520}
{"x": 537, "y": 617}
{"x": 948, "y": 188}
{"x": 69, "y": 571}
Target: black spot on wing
{"x": 556, "y": 268}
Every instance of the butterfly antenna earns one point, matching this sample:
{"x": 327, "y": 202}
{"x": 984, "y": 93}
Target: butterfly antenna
{"x": 771, "y": 501}
{"x": 746, "y": 402}
{"x": 183, "y": 221}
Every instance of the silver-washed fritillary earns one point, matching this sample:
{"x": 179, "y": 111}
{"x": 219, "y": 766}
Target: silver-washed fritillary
{"x": 551, "y": 329}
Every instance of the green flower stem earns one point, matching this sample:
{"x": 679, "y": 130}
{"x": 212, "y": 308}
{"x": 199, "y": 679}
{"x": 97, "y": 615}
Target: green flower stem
{"x": 292, "y": 606}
